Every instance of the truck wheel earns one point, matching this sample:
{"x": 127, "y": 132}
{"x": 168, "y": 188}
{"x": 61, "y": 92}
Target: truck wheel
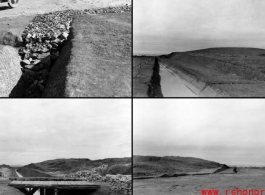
{"x": 13, "y": 3}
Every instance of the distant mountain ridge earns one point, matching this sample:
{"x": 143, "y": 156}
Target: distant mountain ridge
{"x": 59, "y": 167}
{"x": 155, "y": 165}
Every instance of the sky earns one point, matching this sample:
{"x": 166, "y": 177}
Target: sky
{"x": 165, "y": 26}
{"x": 228, "y": 131}
{"x": 36, "y": 130}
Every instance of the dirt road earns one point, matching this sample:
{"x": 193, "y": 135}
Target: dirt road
{"x": 31, "y": 7}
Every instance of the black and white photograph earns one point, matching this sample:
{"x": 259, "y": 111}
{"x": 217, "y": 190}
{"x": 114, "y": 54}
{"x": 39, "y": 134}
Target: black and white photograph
{"x": 198, "y": 147}
{"x": 65, "y": 48}
{"x": 65, "y": 147}
{"x": 206, "y": 48}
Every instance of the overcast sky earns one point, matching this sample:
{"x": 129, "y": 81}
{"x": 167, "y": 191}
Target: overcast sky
{"x": 164, "y": 26}
{"x": 229, "y": 131}
{"x": 37, "y": 130}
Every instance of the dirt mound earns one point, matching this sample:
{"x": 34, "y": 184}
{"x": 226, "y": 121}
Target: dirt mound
{"x": 66, "y": 166}
{"x": 10, "y": 72}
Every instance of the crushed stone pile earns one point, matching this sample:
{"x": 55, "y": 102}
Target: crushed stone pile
{"x": 43, "y": 39}
{"x": 119, "y": 183}
{"x": 118, "y": 9}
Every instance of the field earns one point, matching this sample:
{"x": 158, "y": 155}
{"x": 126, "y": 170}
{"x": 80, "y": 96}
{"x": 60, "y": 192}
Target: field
{"x": 247, "y": 178}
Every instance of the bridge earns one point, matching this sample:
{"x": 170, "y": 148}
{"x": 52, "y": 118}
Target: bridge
{"x": 53, "y": 186}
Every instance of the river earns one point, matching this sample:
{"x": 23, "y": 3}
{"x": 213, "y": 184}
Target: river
{"x": 19, "y": 175}
{"x": 172, "y": 85}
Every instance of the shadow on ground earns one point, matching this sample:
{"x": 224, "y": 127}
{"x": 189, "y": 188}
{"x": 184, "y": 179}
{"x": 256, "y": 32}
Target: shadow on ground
{"x": 56, "y": 83}
{"x": 2, "y": 8}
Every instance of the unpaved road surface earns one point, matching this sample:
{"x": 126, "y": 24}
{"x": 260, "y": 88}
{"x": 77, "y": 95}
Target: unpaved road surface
{"x": 15, "y": 20}
{"x": 31, "y": 7}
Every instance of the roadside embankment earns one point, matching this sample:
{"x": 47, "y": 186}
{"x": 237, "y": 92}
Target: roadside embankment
{"x": 197, "y": 86}
{"x": 220, "y": 72}
{"x": 28, "y": 172}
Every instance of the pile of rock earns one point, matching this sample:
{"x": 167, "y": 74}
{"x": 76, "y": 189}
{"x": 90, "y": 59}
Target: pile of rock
{"x": 118, "y": 9}
{"x": 88, "y": 175}
{"x": 101, "y": 170}
{"x": 42, "y": 41}
{"x": 120, "y": 183}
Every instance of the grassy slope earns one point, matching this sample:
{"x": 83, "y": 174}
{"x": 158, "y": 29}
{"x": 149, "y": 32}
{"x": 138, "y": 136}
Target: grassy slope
{"x": 238, "y": 71}
{"x": 153, "y": 165}
{"x": 65, "y": 166}
{"x": 96, "y": 61}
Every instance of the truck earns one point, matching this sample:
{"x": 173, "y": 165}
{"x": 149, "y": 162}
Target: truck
{"x": 11, "y": 3}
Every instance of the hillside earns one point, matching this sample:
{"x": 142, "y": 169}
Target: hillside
{"x": 236, "y": 72}
{"x": 60, "y": 167}
{"x": 154, "y": 165}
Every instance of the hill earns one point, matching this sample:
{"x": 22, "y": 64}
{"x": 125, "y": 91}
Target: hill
{"x": 234, "y": 72}
{"x": 60, "y": 167}
{"x": 154, "y": 165}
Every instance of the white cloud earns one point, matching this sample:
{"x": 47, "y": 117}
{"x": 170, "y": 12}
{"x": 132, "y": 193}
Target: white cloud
{"x": 212, "y": 23}
{"x": 37, "y": 130}
{"x": 205, "y": 128}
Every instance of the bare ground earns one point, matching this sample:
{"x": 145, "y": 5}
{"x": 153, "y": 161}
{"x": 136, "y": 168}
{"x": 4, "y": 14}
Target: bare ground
{"x": 247, "y": 178}
{"x": 4, "y": 188}
{"x": 98, "y": 55}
